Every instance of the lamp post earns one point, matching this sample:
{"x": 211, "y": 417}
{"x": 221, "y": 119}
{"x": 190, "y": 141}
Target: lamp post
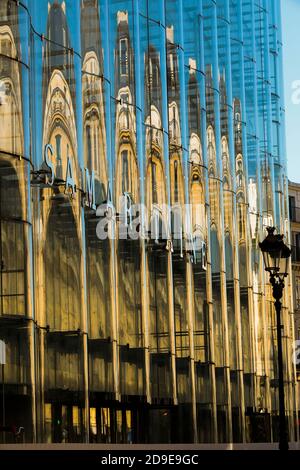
{"x": 276, "y": 255}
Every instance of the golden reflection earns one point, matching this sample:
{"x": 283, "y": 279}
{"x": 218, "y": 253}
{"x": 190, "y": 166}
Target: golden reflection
{"x": 14, "y": 235}
{"x": 227, "y": 187}
{"x": 11, "y": 121}
{"x": 58, "y": 249}
{"x": 94, "y": 135}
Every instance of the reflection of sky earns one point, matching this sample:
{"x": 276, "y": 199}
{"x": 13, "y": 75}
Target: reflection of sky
{"x": 39, "y": 11}
{"x": 291, "y": 41}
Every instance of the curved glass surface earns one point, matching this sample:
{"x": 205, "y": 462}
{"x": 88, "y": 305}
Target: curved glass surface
{"x": 141, "y": 159}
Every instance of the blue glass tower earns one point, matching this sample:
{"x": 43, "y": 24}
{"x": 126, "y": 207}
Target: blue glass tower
{"x": 163, "y": 332}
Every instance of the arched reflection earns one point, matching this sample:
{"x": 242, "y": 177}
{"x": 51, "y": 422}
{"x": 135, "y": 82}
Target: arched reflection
{"x": 59, "y": 125}
{"x": 11, "y": 120}
{"x": 241, "y": 207}
{"x": 59, "y": 262}
{"x": 160, "y": 377}
{"x": 127, "y": 194}
{"x": 94, "y": 137}
{"x": 229, "y": 261}
{"x": 177, "y": 197}
{"x": 229, "y": 240}
{"x": 228, "y": 210}
{"x": 57, "y": 52}
{"x": 214, "y": 201}
{"x": 214, "y": 194}
{"x": 98, "y": 252}
{"x": 179, "y": 266}
{"x": 94, "y": 134}
{"x": 203, "y": 369}
{"x": 216, "y": 254}
{"x": 127, "y": 179}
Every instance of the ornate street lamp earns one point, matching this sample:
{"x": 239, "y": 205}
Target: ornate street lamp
{"x": 276, "y": 255}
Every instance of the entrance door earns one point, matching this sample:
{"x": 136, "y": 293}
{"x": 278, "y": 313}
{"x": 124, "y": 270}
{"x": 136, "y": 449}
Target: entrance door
{"x": 63, "y": 423}
{"x": 100, "y": 425}
{"x": 118, "y": 424}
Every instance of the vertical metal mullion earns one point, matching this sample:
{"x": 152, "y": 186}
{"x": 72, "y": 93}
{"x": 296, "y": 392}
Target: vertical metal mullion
{"x": 113, "y": 267}
{"x": 189, "y": 270}
{"x": 144, "y": 263}
{"x": 237, "y": 303}
{"x": 217, "y": 130}
{"x": 209, "y": 271}
{"x": 165, "y": 121}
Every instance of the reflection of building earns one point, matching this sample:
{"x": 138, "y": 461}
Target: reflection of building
{"x": 16, "y": 330}
{"x": 58, "y": 253}
{"x": 93, "y": 97}
{"x": 168, "y": 336}
{"x": 10, "y": 87}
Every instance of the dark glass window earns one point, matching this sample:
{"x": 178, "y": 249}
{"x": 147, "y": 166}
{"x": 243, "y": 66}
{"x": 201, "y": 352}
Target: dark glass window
{"x": 95, "y": 150}
{"x": 176, "y": 181}
{"x": 89, "y": 147}
{"x": 58, "y": 155}
{"x": 154, "y": 81}
{"x": 5, "y": 65}
{"x": 154, "y": 183}
{"x": 194, "y": 106}
{"x": 297, "y": 239}
{"x": 58, "y": 146}
{"x": 292, "y": 208}
{"x": 124, "y": 56}
{"x": 125, "y": 172}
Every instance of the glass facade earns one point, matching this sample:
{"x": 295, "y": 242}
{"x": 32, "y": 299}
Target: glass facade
{"x": 167, "y": 335}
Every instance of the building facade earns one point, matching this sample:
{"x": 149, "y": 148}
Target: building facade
{"x": 167, "y": 335}
{"x": 294, "y": 211}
